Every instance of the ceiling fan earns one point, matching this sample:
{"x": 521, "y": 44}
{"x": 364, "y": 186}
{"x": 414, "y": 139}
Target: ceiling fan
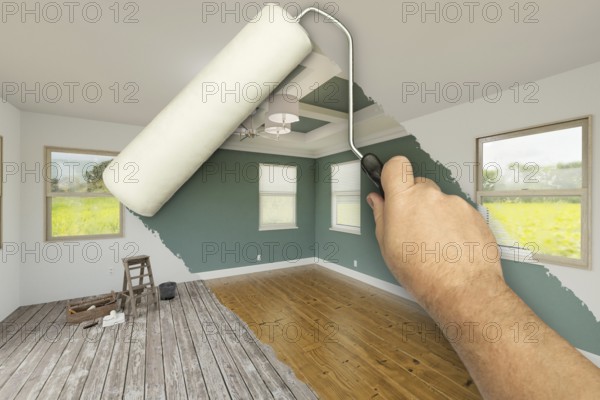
{"x": 247, "y": 128}
{"x": 272, "y": 124}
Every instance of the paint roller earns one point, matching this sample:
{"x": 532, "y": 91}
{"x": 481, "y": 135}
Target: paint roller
{"x": 204, "y": 114}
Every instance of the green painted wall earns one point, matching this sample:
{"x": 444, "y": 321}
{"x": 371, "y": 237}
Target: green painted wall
{"x": 556, "y": 305}
{"x": 364, "y": 247}
{"x": 212, "y": 221}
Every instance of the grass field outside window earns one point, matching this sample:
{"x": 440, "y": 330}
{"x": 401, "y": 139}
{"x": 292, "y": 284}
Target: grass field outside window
{"x": 533, "y": 185}
{"x": 78, "y": 204}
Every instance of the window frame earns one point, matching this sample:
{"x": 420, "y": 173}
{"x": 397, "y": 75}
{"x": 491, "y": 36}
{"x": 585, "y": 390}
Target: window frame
{"x": 277, "y": 227}
{"x": 355, "y": 230}
{"x": 48, "y": 195}
{"x": 585, "y": 192}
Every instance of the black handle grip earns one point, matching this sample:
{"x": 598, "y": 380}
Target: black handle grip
{"x": 373, "y": 167}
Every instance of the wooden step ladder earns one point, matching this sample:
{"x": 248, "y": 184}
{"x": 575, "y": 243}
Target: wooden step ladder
{"x": 133, "y": 291}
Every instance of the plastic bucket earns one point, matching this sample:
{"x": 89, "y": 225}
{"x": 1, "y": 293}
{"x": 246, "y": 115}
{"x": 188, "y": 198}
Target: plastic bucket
{"x": 167, "y": 290}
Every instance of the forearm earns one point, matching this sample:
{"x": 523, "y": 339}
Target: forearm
{"x": 510, "y": 352}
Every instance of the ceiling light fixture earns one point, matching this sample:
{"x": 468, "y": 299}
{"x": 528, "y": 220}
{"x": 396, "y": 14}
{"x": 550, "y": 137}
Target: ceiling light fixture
{"x": 276, "y": 128}
{"x": 283, "y": 109}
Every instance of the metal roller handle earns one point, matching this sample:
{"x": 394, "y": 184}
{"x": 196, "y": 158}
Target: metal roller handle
{"x": 370, "y": 164}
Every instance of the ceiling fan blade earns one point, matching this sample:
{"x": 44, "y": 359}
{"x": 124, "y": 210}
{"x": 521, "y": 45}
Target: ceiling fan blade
{"x": 268, "y": 136}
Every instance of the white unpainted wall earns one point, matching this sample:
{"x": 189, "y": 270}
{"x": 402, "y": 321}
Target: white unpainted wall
{"x": 450, "y": 137}
{"x": 11, "y": 208}
{"x": 57, "y": 270}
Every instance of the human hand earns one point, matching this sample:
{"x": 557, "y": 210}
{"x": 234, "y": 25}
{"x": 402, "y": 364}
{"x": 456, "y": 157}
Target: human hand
{"x": 434, "y": 244}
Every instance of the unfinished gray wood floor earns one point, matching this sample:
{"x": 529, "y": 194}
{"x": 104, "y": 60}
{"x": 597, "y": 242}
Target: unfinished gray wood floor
{"x": 190, "y": 347}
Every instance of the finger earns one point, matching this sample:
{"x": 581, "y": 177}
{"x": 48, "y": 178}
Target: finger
{"x": 421, "y": 180}
{"x": 376, "y": 202}
{"x": 397, "y": 175}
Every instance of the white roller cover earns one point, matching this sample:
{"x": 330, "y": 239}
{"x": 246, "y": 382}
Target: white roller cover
{"x": 197, "y": 122}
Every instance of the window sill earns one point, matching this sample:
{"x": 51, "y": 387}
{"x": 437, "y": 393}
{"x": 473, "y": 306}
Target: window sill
{"x": 346, "y": 230}
{"x": 517, "y": 254}
{"x": 276, "y": 228}
{"x": 526, "y": 256}
{"x": 83, "y": 238}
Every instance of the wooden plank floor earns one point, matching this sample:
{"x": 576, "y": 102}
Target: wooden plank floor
{"x": 346, "y": 339}
{"x": 191, "y": 347}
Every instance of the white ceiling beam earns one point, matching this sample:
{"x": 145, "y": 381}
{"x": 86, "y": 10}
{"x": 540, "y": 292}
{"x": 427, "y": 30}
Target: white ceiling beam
{"x": 324, "y": 114}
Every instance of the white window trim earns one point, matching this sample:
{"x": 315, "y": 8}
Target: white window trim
{"x": 339, "y": 227}
{"x": 48, "y": 195}
{"x": 518, "y": 254}
{"x": 585, "y": 193}
{"x": 354, "y": 231}
{"x": 276, "y": 227}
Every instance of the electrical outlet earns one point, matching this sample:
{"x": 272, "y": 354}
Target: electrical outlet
{"x": 355, "y": 264}
{"x": 258, "y": 257}
{"x": 110, "y": 270}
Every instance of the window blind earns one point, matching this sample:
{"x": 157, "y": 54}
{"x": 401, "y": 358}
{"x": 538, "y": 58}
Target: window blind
{"x": 277, "y": 178}
{"x": 345, "y": 177}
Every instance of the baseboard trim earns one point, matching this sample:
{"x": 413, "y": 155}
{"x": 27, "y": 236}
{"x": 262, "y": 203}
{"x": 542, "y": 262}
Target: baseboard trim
{"x": 251, "y": 269}
{"x": 369, "y": 280}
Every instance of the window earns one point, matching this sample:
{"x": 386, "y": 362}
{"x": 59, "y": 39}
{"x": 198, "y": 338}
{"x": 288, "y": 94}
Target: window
{"x": 345, "y": 197}
{"x": 277, "y": 197}
{"x": 534, "y": 187}
{"x": 78, "y": 205}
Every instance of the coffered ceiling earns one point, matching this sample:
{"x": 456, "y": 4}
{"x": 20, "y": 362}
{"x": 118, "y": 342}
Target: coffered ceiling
{"x": 140, "y": 54}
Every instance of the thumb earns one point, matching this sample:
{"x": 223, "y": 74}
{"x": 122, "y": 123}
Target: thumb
{"x": 376, "y": 202}
{"x": 397, "y": 175}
